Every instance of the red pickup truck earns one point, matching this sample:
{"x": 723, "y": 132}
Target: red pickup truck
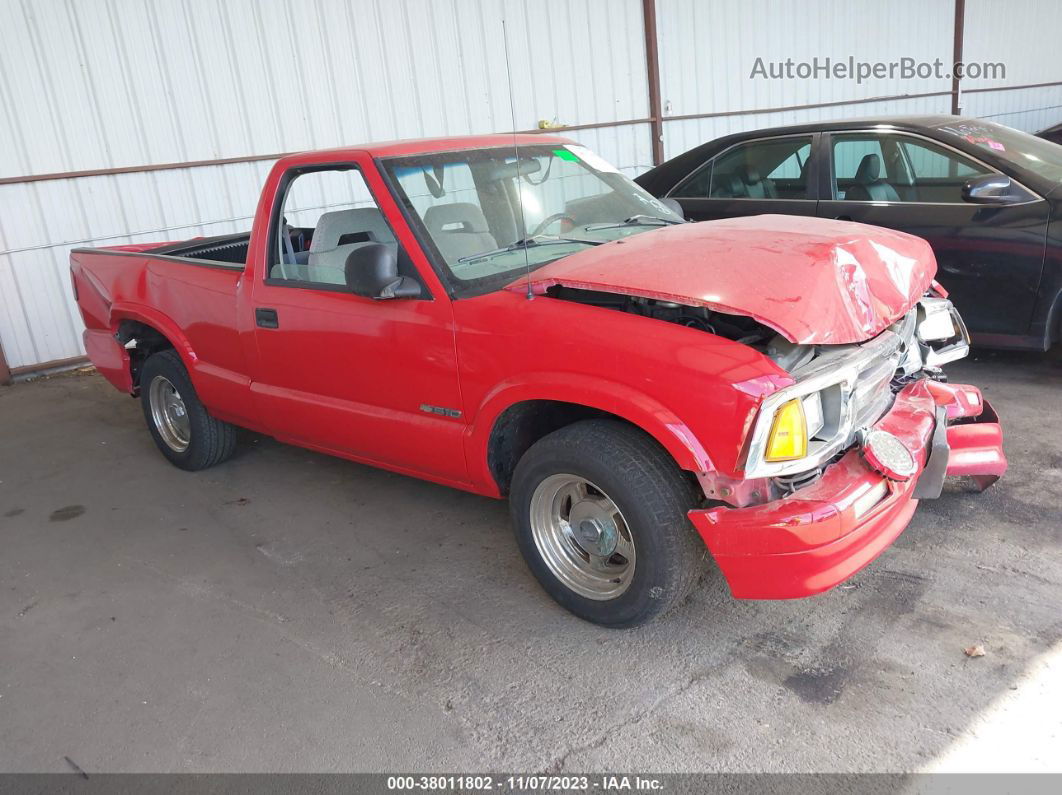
{"x": 512, "y": 316}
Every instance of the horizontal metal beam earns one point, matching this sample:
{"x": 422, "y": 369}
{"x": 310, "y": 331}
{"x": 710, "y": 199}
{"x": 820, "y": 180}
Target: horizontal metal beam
{"x": 105, "y": 172}
{"x": 224, "y": 161}
{"x": 1011, "y": 88}
{"x": 809, "y": 106}
{"x": 651, "y": 120}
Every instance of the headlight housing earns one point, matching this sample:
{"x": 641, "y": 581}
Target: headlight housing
{"x": 788, "y": 439}
{"x": 845, "y": 389}
{"x": 941, "y": 332}
{"x": 804, "y": 425}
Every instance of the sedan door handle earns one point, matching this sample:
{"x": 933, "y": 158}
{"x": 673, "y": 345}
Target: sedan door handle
{"x": 266, "y": 318}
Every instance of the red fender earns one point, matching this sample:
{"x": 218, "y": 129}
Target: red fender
{"x": 622, "y": 401}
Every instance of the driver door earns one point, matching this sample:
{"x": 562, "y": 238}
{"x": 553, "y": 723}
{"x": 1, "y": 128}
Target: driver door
{"x": 374, "y": 380}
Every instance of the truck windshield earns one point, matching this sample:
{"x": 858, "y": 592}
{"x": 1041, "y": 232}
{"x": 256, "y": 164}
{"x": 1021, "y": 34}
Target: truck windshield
{"x": 484, "y": 210}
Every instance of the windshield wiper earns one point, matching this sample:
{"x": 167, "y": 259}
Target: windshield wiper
{"x": 530, "y": 242}
{"x": 635, "y": 220}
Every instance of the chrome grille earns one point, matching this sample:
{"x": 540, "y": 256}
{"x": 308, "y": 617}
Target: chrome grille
{"x": 872, "y": 394}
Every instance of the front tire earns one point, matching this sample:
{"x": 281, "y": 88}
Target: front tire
{"x": 600, "y": 515}
{"x": 179, "y": 423}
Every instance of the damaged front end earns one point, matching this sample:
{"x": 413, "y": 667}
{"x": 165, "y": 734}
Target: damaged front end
{"x": 841, "y": 391}
{"x": 835, "y": 463}
{"x": 864, "y": 423}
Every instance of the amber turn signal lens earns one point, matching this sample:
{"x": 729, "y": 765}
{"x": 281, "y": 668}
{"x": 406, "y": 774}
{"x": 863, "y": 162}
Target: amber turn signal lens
{"x": 789, "y": 433}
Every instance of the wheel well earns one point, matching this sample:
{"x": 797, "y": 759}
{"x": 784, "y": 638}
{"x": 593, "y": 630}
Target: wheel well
{"x": 523, "y": 424}
{"x": 148, "y": 341}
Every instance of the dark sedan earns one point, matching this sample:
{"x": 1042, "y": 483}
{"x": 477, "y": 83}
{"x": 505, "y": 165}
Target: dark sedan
{"x": 1052, "y": 134}
{"x": 985, "y": 196}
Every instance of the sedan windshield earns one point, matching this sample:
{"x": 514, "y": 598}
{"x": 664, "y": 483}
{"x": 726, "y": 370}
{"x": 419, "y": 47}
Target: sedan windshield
{"x": 1023, "y": 150}
{"x": 493, "y": 213}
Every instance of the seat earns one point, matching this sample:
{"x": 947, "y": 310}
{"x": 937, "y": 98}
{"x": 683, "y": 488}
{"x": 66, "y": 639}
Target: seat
{"x": 339, "y": 233}
{"x": 745, "y": 183}
{"x": 867, "y": 185}
{"x": 757, "y": 187}
{"x": 459, "y": 230}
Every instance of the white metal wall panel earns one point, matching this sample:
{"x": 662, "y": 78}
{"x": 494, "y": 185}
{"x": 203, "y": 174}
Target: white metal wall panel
{"x": 1029, "y": 109}
{"x": 708, "y": 50}
{"x": 109, "y": 83}
{"x": 1029, "y": 51}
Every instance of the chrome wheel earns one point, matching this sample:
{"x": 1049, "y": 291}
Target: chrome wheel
{"x": 169, "y": 414}
{"x": 582, "y": 537}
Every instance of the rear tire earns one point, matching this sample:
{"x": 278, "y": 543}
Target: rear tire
{"x": 600, "y": 515}
{"x": 179, "y": 423}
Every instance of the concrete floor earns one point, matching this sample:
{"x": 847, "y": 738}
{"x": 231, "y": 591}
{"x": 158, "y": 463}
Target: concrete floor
{"x": 287, "y": 611}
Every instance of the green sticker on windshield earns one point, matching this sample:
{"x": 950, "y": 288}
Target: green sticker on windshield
{"x": 564, "y": 154}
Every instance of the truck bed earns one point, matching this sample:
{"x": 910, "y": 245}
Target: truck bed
{"x": 227, "y": 249}
{"x": 187, "y": 290}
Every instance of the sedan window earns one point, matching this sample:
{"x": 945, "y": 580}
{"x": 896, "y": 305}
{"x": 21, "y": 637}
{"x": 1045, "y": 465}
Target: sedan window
{"x": 898, "y": 168}
{"x": 771, "y": 169}
{"x": 937, "y": 173}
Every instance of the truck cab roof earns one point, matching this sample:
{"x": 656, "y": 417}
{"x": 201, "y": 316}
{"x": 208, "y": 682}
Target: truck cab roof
{"x": 417, "y": 146}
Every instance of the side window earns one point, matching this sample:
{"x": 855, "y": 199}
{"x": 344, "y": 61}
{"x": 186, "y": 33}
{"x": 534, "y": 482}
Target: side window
{"x": 326, "y": 214}
{"x": 772, "y": 169}
{"x": 937, "y": 173}
{"x": 898, "y": 168}
{"x": 858, "y": 162}
{"x": 793, "y": 166}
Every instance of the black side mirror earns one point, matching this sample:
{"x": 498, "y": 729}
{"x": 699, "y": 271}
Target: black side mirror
{"x": 372, "y": 272}
{"x": 990, "y": 189}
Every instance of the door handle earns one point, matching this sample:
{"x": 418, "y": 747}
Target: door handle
{"x": 266, "y": 318}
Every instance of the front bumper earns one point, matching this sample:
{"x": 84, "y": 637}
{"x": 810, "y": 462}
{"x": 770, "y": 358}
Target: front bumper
{"x": 812, "y": 540}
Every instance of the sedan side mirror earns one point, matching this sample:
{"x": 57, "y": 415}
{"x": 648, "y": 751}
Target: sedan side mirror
{"x": 990, "y": 189}
{"x": 372, "y": 272}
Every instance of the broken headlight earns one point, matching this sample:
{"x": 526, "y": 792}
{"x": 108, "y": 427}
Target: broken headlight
{"x": 803, "y": 425}
{"x": 941, "y": 333}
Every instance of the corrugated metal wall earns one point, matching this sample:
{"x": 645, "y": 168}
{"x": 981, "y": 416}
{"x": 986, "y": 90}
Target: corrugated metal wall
{"x": 1019, "y": 35}
{"x": 106, "y": 84}
{"x": 720, "y": 41}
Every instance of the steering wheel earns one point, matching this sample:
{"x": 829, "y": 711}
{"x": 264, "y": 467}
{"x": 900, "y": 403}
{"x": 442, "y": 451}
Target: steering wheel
{"x": 552, "y": 220}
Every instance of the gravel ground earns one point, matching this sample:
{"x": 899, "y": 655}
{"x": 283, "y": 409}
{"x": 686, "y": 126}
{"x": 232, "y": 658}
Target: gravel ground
{"x": 287, "y": 611}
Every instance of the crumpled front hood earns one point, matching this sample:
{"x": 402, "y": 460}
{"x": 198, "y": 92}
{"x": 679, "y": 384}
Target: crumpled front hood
{"x": 814, "y": 281}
